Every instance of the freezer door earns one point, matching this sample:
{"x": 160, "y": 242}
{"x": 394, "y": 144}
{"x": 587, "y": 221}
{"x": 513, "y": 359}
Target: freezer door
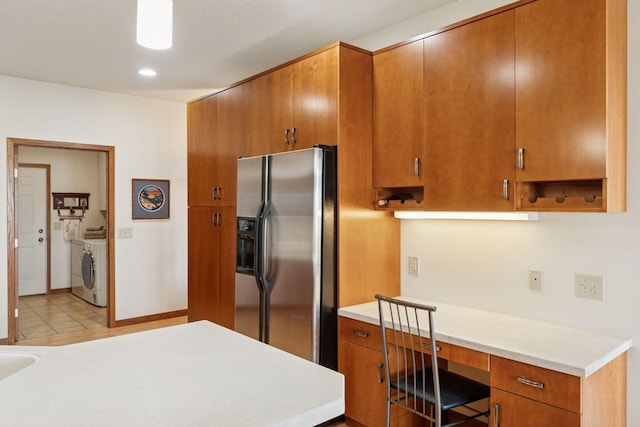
{"x": 294, "y": 237}
{"x": 247, "y": 315}
{"x": 250, "y": 199}
{"x": 250, "y": 185}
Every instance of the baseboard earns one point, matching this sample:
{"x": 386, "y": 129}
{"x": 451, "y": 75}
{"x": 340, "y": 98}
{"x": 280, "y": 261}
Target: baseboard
{"x": 59, "y": 291}
{"x": 150, "y": 318}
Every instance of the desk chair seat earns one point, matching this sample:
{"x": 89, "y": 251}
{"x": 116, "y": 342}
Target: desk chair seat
{"x": 455, "y": 390}
{"x": 415, "y": 381}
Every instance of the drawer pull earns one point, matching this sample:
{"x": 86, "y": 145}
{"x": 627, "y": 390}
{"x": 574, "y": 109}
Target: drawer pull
{"x": 530, "y": 383}
{"x": 427, "y": 344}
{"x": 380, "y": 379}
{"x": 496, "y": 415}
{"x": 360, "y": 333}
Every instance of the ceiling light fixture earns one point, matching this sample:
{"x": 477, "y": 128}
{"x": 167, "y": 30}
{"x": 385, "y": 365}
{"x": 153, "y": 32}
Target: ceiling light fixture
{"x": 490, "y": 216}
{"x": 147, "y": 72}
{"x": 155, "y": 22}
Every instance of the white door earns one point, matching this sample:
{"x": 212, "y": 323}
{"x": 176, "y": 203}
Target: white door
{"x": 32, "y": 231}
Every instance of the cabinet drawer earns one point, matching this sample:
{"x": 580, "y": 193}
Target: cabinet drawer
{"x": 453, "y": 353}
{"x": 544, "y": 385}
{"x": 361, "y": 333}
{"x": 509, "y": 410}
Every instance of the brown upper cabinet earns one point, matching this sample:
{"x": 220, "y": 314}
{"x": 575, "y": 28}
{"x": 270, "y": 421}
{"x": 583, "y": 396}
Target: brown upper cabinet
{"x": 571, "y": 105}
{"x": 469, "y": 116}
{"x": 295, "y": 106}
{"x": 397, "y": 117}
{"x": 524, "y": 109}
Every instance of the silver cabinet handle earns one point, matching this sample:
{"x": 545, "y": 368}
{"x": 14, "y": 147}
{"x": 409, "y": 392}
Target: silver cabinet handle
{"x": 380, "y": 377}
{"x": 416, "y": 166}
{"x": 530, "y": 383}
{"x": 521, "y": 158}
{"x": 496, "y": 415}
{"x": 286, "y": 136}
{"x": 216, "y": 193}
{"x": 216, "y": 219}
{"x": 360, "y": 333}
{"x": 505, "y": 189}
{"x": 293, "y": 135}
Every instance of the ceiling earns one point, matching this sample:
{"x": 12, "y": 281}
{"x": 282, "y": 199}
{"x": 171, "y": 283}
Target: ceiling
{"x": 91, "y": 43}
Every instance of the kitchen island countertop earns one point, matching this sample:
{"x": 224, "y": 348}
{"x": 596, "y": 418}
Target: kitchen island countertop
{"x": 196, "y": 374}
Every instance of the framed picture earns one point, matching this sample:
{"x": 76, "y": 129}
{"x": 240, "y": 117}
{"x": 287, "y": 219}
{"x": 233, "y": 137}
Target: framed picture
{"x": 150, "y": 198}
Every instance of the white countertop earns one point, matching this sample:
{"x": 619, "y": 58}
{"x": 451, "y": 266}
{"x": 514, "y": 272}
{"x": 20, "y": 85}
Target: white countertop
{"x": 546, "y": 345}
{"x": 196, "y": 374}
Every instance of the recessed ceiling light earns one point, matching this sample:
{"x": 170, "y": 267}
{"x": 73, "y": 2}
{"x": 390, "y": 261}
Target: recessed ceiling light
{"x": 147, "y": 72}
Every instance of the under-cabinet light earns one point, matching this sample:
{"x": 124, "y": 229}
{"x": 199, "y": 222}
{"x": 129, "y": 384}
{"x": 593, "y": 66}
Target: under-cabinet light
{"x": 155, "y": 23}
{"x": 489, "y": 216}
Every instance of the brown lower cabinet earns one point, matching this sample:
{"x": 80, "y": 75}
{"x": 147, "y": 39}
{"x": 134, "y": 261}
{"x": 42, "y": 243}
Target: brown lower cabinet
{"x": 211, "y": 247}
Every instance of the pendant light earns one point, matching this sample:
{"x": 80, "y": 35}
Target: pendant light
{"x": 155, "y": 21}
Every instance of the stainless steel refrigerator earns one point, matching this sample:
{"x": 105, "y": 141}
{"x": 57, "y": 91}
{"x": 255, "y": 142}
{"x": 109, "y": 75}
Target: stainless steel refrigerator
{"x": 286, "y": 252}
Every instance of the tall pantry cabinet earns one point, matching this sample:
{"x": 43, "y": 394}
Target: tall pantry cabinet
{"x": 326, "y": 96}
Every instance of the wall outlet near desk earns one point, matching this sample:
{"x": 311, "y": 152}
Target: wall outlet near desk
{"x": 414, "y": 265}
{"x": 588, "y": 286}
{"x": 535, "y": 280}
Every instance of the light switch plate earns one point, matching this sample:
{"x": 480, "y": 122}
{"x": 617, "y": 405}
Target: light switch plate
{"x": 125, "y": 233}
{"x": 414, "y": 265}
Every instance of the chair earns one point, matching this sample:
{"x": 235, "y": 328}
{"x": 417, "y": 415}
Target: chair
{"x": 415, "y": 382}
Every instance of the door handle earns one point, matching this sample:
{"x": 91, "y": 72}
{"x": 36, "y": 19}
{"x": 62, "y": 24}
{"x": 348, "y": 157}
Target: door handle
{"x": 40, "y": 231}
{"x": 286, "y": 136}
{"x": 41, "y": 240}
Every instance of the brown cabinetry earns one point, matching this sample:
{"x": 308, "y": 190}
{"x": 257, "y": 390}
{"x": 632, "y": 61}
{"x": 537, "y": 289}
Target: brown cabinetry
{"x": 557, "y": 399}
{"x": 524, "y": 109}
{"x": 571, "y": 105}
{"x": 211, "y": 264}
{"x": 469, "y": 116}
{"x": 362, "y": 363}
{"x": 295, "y": 106}
{"x": 397, "y": 117}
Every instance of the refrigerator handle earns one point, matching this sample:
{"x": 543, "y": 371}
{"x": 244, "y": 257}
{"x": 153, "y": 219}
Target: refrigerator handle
{"x": 257, "y": 267}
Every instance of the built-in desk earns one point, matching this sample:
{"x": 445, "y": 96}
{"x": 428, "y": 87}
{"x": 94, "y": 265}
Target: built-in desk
{"x": 568, "y": 377}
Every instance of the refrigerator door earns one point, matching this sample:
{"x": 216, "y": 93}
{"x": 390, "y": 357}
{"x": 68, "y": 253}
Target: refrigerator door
{"x": 294, "y": 257}
{"x": 250, "y": 201}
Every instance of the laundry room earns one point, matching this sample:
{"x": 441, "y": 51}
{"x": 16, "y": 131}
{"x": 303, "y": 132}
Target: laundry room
{"x": 74, "y": 222}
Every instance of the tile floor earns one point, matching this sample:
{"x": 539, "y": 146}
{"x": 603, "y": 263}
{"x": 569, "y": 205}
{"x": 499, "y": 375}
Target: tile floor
{"x": 47, "y": 315}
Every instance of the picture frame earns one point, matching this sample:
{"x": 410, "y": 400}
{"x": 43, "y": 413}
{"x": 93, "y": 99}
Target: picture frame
{"x": 150, "y": 198}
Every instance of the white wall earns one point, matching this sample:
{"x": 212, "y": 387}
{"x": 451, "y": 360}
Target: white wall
{"x": 485, "y": 264}
{"x": 150, "y": 140}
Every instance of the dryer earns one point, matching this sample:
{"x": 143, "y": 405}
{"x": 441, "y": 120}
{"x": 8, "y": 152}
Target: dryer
{"x": 89, "y": 270}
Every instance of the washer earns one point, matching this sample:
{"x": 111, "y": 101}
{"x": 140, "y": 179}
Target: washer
{"x": 88, "y": 270}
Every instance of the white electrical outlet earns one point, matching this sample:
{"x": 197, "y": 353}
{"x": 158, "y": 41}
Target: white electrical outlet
{"x": 535, "y": 280}
{"x": 414, "y": 265}
{"x": 588, "y": 286}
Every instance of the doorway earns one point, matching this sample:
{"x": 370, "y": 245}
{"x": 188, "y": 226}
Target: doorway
{"x": 13, "y": 147}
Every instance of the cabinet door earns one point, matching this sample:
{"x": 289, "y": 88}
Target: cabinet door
{"x": 270, "y": 96}
{"x": 231, "y": 141}
{"x": 511, "y": 410}
{"x": 203, "y": 266}
{"x": 397, "y": 116}
{"x": 561, "y": 90}
{"x": 469, "y": 116}
{"x": 314, "y": 100}
{"x": 365, "y": 394}
{"x": 227, "y": 266}
{"x": 201, "y": 151}
{"x": 211, "y": 291}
